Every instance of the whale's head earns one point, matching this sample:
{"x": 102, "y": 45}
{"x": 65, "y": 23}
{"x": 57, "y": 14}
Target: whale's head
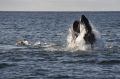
{"x": 84, "y": 28}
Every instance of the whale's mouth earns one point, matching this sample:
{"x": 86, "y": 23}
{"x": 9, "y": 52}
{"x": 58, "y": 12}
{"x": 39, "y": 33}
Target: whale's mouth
{"x": 80, "y": 25}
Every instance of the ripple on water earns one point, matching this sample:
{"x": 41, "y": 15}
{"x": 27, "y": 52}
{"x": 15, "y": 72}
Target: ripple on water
{"x": 109, "y": 62}
{"x": 5, "y": 65}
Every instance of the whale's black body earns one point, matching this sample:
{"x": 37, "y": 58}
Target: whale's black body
{"x": 89, "y": 36}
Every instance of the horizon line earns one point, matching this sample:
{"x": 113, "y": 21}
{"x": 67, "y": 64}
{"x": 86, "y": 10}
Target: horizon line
{"x": 59, "y": 11}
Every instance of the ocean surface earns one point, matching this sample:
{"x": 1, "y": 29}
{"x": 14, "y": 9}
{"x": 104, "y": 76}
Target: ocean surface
{"x": 52, "y": 60}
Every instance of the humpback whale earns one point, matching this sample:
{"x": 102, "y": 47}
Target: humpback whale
{"x": 82, "y": 34}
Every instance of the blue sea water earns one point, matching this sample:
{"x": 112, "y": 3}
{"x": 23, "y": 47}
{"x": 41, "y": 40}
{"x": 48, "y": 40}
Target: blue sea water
{"x": 52, "y": 61}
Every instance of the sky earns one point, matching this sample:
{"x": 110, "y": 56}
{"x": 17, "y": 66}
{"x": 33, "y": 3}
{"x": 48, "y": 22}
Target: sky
{"x": 59, "y": 5}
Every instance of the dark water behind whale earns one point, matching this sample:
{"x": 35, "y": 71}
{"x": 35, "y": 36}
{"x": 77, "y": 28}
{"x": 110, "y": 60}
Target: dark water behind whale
{"x": 21, "y": 62}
